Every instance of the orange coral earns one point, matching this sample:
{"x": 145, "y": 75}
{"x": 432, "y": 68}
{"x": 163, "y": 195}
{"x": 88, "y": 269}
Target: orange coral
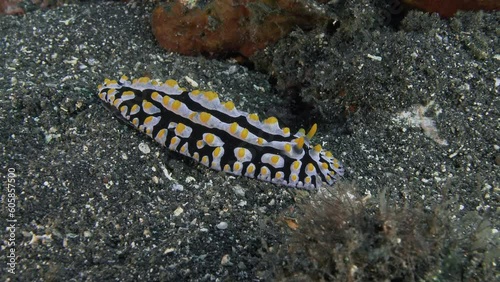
{"x": 447, "y": 8}
{"x": 226, "y": 27}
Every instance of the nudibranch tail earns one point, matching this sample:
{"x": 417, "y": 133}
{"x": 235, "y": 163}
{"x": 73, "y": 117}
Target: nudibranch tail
{"x": 198, "y": 125}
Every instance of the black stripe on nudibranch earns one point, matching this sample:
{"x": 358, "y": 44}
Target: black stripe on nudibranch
{"x": 198, "y": 125}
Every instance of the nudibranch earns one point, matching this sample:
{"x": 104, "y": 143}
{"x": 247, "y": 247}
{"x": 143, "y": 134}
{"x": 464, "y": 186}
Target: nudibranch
{"x": 216, "y": 134}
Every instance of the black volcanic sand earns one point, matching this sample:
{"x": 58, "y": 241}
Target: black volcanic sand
{"x": 412, "y": 109}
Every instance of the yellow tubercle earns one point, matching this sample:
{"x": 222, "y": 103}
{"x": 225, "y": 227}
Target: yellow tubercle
{"x": 229, "y": 105}
{"x": 183, "y": 148}
{"x": 217, "y": 152}
{"x": 180, "y": 128}
{"x": 155, "y": 95}
{"x": 127, "y": 94}
{"x": 144, "y": 80}
{"x": 310, "y": 167}
{"x": 250, "y": 169}
{"x": 253, "y": 117}
{"x": 336, "y": 163}
{"x": 241, "y": 153}
{"x": 244, "y": 133}
{"x": 271, "y": 120}
{"x": 176, "y": 105}
{"x": 264, "y": 170}
{"x": 171, "y": 82}
{"x": 300, "y": 142}
{"x": 236, "y": 166}
{"x": 233, "y": 128}
{"x": 317, "y": 148}
{"x": 147, "y": 105}
{"x": 205, "y": 117}
{"x": 210, "y": 95}
{"x": 161, "y": 133}
{"x": 209, "y": 138}
{"x": 275, "y": 159}
{"x": 166, "y": 99}
{"x": 148, "y": 119}
{"x": 134, "y": 109}
{"x": 288, "y": 148}
{"x": 199, "y": 143}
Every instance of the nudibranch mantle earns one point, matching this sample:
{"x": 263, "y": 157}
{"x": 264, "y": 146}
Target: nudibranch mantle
{"x": 216, "y": 134}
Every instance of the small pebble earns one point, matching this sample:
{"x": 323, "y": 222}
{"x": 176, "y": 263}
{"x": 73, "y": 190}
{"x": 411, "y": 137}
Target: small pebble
{"x": 191, "y": 81}
{"x": 178, "y": 211}
{"x": 144, "y": 148}
{"x": 177, "y": 187}
{"x": 225, "y": 260}
{"x": 242, "y": 266}
{"x": 222, "y": 225}
{"x": 168, "y": 251}
{"x": 155, "y": 179}
{"x": 238, "y": 190}
{"x": 190, "y": 179}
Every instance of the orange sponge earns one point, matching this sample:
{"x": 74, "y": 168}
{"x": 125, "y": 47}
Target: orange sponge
{"x": 228, "y": 27}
